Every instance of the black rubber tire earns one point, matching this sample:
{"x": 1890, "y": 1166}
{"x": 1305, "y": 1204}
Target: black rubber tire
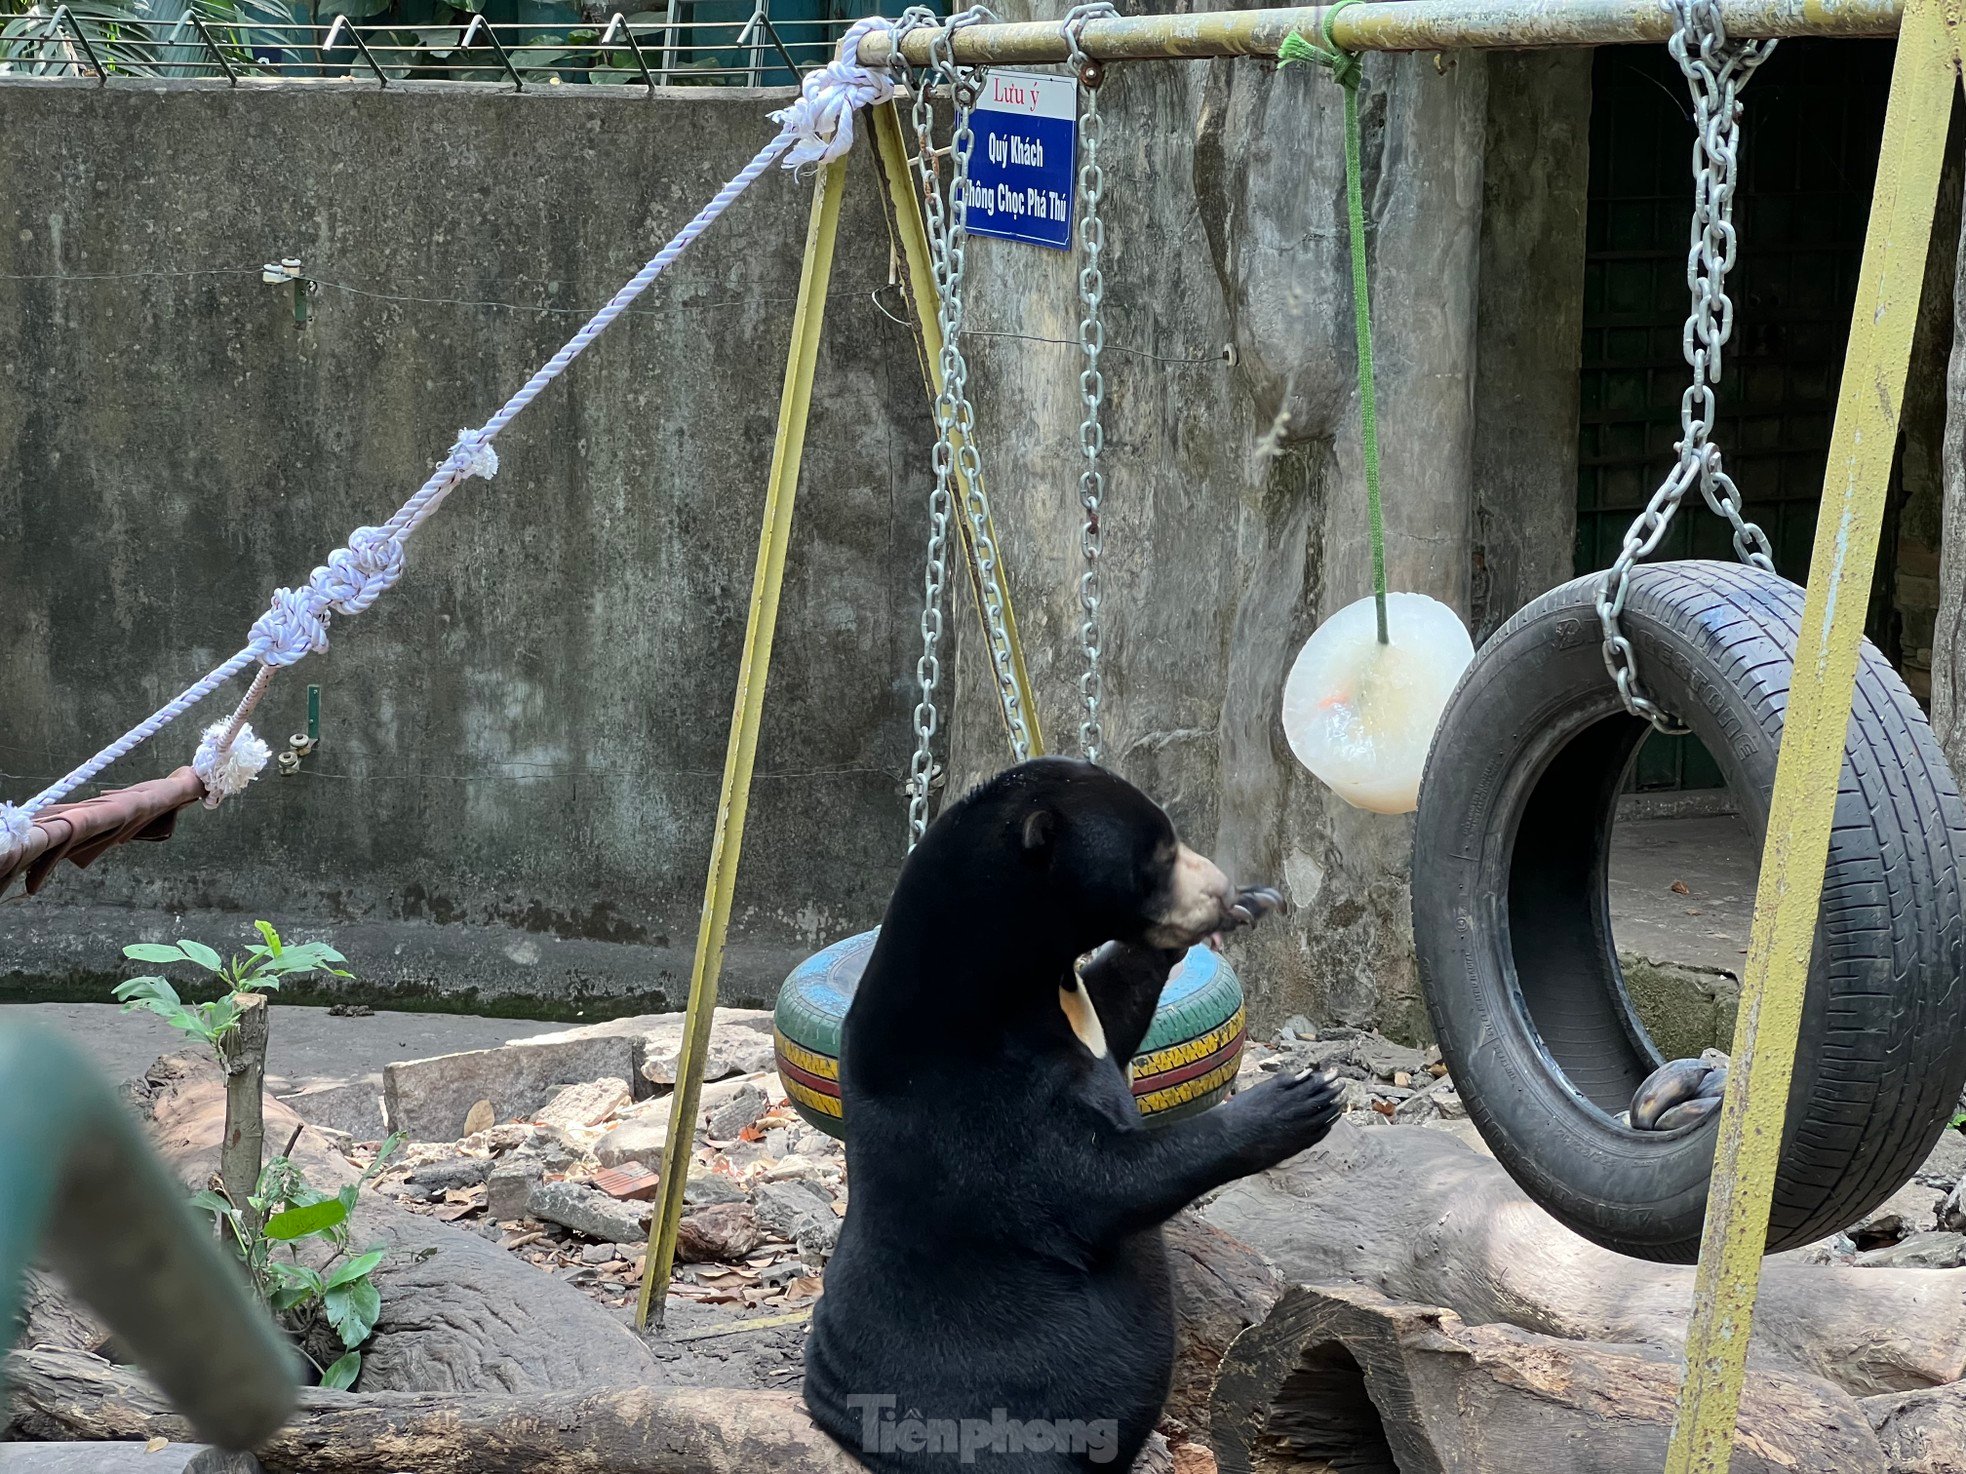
{"x": 1513, "y": 930}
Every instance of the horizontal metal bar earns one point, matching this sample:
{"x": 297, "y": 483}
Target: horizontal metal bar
{"x": 1407, "y": 25}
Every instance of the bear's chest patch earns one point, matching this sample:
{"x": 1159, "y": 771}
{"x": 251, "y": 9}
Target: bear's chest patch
{"x": 1083, "y": 1017}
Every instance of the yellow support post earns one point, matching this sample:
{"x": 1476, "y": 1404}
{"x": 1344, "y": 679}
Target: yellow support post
{"x": 781, "y": 490}
{"x": 904, "y": 212}
{"x": 1813, "y": 734}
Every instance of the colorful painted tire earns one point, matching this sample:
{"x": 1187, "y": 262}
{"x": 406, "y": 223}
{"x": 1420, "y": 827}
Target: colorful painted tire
{"x": 1186, "y": 1063}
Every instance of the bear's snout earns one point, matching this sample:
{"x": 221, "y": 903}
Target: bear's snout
{"x": 1198, "y": 902}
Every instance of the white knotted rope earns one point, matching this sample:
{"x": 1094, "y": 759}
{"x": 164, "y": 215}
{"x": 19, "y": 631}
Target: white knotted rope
{"x": 815, "y": 129}
{"x": 227, "y": 761}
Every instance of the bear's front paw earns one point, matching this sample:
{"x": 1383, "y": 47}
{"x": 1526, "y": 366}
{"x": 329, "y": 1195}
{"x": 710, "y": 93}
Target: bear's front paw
{"x": 1296, "y": 1110}
{"x": 1249, "y": 905}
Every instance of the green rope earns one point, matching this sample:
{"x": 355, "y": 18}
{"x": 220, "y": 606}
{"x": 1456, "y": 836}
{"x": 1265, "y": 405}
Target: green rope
{"x": 1344, "y": 68}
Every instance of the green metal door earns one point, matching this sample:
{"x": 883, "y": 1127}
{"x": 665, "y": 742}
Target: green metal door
{"x": 1810, "y": 131}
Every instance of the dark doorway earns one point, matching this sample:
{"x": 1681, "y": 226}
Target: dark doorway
{"x": 1810, "y": 132}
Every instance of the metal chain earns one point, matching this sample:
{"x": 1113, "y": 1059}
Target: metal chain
{"x": 1092, "y": 383}
{"x": 1716, "y": 71}
{"x": 928, "y": 667}
{"x": 955, "y": 420}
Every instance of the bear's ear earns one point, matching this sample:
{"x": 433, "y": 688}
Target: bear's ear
{"x": 1040, "y": 832}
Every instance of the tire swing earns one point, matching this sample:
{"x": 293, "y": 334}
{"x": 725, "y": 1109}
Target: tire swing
{"x": 1191, "y": 1053}
{"x": 1511, "y": 918}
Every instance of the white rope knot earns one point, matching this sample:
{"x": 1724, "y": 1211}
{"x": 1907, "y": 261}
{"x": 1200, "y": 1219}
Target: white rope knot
{"x": 356, "y": 576}
{"x": 473, "y": 454}
{"x": 822, "y": 118}
{"x": 294, "y": 626}
{"x": 227, "y": 771}
{"x": 16, "y": 828}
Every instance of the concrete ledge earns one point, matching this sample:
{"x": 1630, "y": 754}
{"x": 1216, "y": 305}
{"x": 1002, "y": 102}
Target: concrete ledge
{"x": 73, "y": 953}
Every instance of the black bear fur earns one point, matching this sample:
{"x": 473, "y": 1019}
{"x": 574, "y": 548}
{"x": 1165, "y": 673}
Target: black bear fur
{"x": 1000, "y": 1295}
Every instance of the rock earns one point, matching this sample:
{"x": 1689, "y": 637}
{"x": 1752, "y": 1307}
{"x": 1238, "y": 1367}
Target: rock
{"x": 1946, "y": 1165}
{"x": 785, "y": 1208}
{"x": 1911, "y": 1209}
{"x": 590, "y": 1214}
{"x": 1193, "y": 1458}
{"x": 1385, "y": 1059}
{"x": 817, "y": 1238}
{"x": 1299, "y": 1027}
{"x": 706, "y": 1188}
{"x": 122, "y": 1458}
{"x": 508, "y": 1192}
{"x": 1952, "y": 1211}
{"x": 353, "y": 1106}
{"x": 583, "y": 1105}
{"x": 742, "y": 1110}
{"x": 452, "y": 1172}
{"x": 733, "y": 1051}
{"x": 1838, "y": 1248}
{"x": 1928, "y": 1250}
{"x": 1355, "y": 1096}
{"x": 1439, "y": 1101}
{"x": 431, "y": 1099}
{"x": 641, "y": 1136}
{"x": 723, "y": 1233}
{"x": 787, "y": 1168}
{"x": 652, "y": 1033}
{"x": 817, "y": 1145}
{"x": 600, "y": 1253}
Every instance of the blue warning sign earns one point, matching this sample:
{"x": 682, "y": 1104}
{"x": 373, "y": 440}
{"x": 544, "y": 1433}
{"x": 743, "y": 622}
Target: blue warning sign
{"x": 1022, "y": 163}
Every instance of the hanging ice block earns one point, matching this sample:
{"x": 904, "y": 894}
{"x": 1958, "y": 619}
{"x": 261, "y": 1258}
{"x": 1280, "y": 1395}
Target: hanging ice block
{"x": 1360, "y": 715}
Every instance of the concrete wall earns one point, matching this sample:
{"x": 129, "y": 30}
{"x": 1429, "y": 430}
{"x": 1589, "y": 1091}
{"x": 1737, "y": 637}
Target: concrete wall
{"x": 523, "y": 740}
{"x": 1235, "y": 515}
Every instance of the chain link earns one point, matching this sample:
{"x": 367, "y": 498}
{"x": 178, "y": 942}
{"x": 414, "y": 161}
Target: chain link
{"x": 1092, "y": 382}
{"x": 1716, "y": 70}
{"x": 955, "y": 420}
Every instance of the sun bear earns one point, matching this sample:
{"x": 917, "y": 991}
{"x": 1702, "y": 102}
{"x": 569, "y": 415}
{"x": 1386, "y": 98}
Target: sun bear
{"x": 1000, "y": 1295}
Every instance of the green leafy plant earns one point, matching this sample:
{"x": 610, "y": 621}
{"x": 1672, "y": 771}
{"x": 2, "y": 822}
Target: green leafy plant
{"x": 260, "y": 970}
{"x": 328, "y": 1309}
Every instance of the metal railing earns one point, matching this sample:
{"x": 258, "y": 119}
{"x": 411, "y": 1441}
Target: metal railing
{"x": 678, "y": 50}
{"x": 82, "y": 1190}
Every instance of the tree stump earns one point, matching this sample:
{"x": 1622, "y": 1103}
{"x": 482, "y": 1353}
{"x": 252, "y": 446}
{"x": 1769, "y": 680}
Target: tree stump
{"x": 1345, "y": 1379}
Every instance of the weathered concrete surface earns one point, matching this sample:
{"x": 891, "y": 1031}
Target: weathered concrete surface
{"x": 1235, "y": 512}
{"x": 523, "y": 740}
{"x": 1530, "y": 318}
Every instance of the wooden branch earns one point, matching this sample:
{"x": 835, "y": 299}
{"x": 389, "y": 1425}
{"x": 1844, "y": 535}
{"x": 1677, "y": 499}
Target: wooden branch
{"x": 243, "y": 1150}
{"x": 1430, "y": 1221}
{"x": 1342, "y": 1378}
{"x": 626, "y": 1430}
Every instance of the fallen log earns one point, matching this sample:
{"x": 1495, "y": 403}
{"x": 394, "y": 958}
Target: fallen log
{"x": 617, "y": 1430}
{"x": 1221, "y": 1288}
{"x": 1427, "y": 1220}
{"x": 1343, "y": 1378}
{"x": 1922, "y": 1432}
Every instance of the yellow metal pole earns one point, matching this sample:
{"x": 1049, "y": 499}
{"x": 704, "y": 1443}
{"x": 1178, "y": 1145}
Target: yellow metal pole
{"x": 1389, "y": 25}
{"x": 905, "y": 211}
{"x": 1813, "y": 734}
{"x": 780, "y": 491}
